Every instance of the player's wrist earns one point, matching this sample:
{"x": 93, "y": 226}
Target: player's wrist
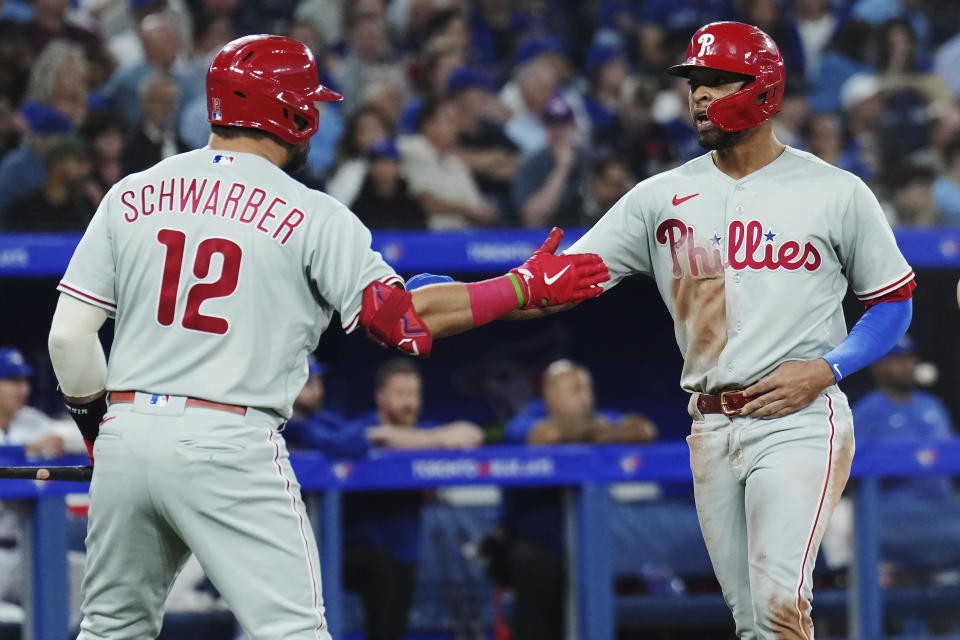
{"x": 826, "y": 376}
{"x": 87, "y": 415}
{"x": 490, "y": 299}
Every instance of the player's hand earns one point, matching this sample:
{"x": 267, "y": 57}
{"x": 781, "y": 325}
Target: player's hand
{"x": 790, "y": 387}
{"x": 549, "y": 280}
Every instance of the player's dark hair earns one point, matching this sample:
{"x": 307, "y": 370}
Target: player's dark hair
{"x": 232, "y": 133}
{"x": 391, "y": 368}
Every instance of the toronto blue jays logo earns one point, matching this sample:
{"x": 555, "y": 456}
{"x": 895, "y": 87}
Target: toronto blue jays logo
{"x": 747, "y": 247}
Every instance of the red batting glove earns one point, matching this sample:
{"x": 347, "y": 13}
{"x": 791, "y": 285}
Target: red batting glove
{"x": 548, "y": 280}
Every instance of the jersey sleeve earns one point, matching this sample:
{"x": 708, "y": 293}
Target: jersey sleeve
{"x": 868, "y": 250}
{"x": 91, "y": 274}
{"x": 620, "y": 238}
{"x": 342, "y": 264}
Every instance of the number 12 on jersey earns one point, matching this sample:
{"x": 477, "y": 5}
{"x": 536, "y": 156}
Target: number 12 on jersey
{"x": 175, "y": 243}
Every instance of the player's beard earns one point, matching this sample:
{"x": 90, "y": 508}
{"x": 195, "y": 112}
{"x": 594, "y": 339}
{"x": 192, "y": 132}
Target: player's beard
{"x": 716, "y": 139}
{"x": 298, "y": 158}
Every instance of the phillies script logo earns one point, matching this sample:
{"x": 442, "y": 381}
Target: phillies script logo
{"x": 748, "y": 247}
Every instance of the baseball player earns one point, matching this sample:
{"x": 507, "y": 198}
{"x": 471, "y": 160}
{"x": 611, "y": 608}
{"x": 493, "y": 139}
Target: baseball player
{"x": 221, "y": 273}
{"x": 752, "y": 247}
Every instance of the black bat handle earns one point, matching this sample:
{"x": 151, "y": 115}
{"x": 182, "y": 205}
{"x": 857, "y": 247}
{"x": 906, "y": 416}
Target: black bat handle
{"x": 64, "y": 473}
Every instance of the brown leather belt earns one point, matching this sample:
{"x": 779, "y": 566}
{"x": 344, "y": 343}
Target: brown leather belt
{"x": 730, "y": 402}
{"x": 119, "y": 397}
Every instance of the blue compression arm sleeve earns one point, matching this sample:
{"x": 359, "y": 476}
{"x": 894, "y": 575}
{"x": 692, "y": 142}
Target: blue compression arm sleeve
{"x": 871, "y": 338}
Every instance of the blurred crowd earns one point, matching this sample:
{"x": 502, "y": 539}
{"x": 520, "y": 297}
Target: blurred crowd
{"x": 473, "y": 113}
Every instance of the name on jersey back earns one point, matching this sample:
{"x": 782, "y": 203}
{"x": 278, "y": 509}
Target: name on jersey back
{"x": 238, "y": 202}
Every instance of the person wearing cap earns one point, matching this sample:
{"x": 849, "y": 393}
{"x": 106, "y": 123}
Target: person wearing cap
{"x": 536, "y": 83}
{"x": 897, "y": 411}
{"x": 60, "y": 203}
{"x": 548, "y": 186}
{"x": 862, "y": 102}
{"x": 550, "y": 50}
{"x": 41, "y": 436}
{"x": 919, "y": 516}
{"x": 22, "y": 169}
{"x": 384, "y": 201}
{"x": 543, "y": 70}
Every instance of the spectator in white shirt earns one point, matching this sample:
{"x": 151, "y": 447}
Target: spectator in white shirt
{"x": 438, "y": 178}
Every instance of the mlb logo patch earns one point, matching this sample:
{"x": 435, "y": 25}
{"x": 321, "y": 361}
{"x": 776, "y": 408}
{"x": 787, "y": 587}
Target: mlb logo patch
{"x": 159, "y": 401}
{"x": 215, "y": 112}
{"x": 218, "y": 159}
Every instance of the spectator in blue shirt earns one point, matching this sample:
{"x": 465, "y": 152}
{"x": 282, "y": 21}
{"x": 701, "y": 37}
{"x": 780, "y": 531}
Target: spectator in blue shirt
{"x": 896, "y": 411}
{"x": 313, "y": 426}
{"x": 22, "y": 169}
{"x": 919, "y": 516}
{"x": 532, "y": 518}
{"x": 382, "y": 529}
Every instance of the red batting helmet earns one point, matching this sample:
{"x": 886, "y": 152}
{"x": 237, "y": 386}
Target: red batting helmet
{"x": 268, "y": 83}
{"x": 738, "y": 48}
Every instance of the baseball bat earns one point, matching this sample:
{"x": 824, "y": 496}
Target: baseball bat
{"x": 69, "y": 474}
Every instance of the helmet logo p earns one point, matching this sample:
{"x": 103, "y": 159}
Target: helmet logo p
{"x": 705, "y": 40}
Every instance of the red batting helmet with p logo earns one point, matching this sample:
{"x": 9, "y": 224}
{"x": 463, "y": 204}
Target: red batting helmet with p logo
{"x": 738, "y": 48}
{"x": 268, "y": 83}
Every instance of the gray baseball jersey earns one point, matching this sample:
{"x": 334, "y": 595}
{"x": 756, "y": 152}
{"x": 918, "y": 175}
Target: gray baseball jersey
{"x": 753, "y": 271}
{"x": 222, "y": 273}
